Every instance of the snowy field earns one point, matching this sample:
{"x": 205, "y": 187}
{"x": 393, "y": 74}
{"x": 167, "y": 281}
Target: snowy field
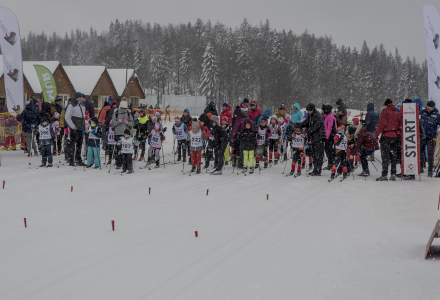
{"x": 310, "y": 240}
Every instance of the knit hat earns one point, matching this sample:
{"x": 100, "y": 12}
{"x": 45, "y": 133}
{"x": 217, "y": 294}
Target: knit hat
{"x": 430, "y": 104}
{"x": 310, "y": 107}
{"x": 388, "y": 102}
{"x": 123, "y": 104}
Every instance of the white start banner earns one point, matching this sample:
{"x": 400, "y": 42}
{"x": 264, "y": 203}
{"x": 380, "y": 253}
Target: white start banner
{"x": 432, "y": 41}
{"x": 10, "y": 45}
{"x": 410, "y": 139}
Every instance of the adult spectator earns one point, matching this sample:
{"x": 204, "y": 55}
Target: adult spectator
{"x": 237, "y": 126}
{"x": 75, "y": 121}
{"x": 297, "y": 116}
{"x": 220, "y": 142}
{"x": 389, "y": 131}
{"x": 430, "y": 118}
{"x": 341, "y": 113}
{"x": 254, "y": 112}
{"x": 316, "y": 136}
{"x": 371, "y": 118}
{"x": 226, "y": 113}
{"x": 30, "y": 118}
{"x": 330, "y": 132}
{"x": 122, "y": 119}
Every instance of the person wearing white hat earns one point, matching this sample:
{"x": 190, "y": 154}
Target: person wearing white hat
{"x": 122, "y": 120}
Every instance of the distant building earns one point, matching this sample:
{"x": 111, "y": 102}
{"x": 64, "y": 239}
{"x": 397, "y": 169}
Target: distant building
{"x": 127, "y": 85}
{"x": 64, "y": 85}
{"x": 92, "y": 81}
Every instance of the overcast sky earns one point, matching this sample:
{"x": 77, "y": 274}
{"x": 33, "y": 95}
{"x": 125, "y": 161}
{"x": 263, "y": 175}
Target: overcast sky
{"x": 395, "y": 23}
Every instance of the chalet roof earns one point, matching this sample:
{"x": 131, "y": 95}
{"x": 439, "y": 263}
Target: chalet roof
{"x": 31, "y": 74}
{"x": 84, "y": 78}
{"x": 120, "y": 78}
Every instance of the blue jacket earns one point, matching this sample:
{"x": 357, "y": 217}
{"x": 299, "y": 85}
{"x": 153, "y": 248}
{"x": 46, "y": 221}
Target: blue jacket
{"x": 430, "y": 123}
{"x": 297, "y": 115}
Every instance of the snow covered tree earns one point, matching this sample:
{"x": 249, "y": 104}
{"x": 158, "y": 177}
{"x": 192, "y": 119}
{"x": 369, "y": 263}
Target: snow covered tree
{"x": 208, "y": 79}
{"x": 160, "y": 73}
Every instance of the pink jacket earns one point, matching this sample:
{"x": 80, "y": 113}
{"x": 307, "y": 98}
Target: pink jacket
{"x": 329, "y": 124}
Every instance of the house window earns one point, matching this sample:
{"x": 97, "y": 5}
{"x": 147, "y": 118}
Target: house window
{"x": 98, "y": 101}
{"x": 65, "y": 98}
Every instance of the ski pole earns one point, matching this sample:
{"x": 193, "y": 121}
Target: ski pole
{"x": 111, "y": 159}
{"x": 163, "y": 157}
{"x": 174, "y": 149}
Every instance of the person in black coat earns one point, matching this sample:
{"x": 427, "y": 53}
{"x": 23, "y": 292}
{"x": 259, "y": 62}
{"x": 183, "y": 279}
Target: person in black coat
{"x": 30, "y": 119}
{"x": 220, "y": 142}
{"x": 316, "y": 136}
{"x": 371, "y": 118}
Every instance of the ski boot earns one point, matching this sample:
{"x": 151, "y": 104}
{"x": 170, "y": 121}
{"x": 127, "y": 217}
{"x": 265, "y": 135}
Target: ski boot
{"x": 50, "y": 165}
{"x": 382, "y": 178}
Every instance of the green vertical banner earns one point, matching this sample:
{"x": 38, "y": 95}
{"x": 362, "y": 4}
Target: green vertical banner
{"x": 47, "y": 83}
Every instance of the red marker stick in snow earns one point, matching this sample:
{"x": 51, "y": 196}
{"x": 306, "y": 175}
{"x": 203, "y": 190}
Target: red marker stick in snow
{"x": 4, "y": 183}
{"x": 71, "y": 188}
{"x": 196, "y": 233}
{"x": 25, "y": 222}
{"x": 113, "y": 225}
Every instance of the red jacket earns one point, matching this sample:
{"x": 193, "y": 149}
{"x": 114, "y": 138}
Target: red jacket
{"x": 254, "y": 114}
{"x": 390, "y": 122}
{"x": 226, "y": 114}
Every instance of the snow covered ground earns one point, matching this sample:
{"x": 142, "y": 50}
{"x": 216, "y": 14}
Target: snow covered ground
{"x": 311, "y": 239}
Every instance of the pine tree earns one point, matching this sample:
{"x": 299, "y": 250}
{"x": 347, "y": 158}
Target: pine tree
{"x": 160, "y": 73}
{"x": 208, "y": 79}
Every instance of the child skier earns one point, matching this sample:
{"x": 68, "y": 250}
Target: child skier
{"x": 127, "y": 151}
{"x": 225, "y": 123}
{"x": 180, "y": 132}
{"x": 248, "y": 142}
{"x": 196, "y": 144}
{"x": 111, "y": 144}
{"x": 46, "y": 135}
{"x": 94, "y": 144}
{"x": 274, "y": 140}
{"x": 143, "y": 127}
{"x": 155, "y": 140}
{"x": 262, "y": 143}
{"x": 297, "y": 145}
{"x": 341, "y": 144}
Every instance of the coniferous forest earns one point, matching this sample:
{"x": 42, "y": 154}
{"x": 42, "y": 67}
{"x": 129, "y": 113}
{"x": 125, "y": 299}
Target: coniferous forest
{"x": 227, "y": 64}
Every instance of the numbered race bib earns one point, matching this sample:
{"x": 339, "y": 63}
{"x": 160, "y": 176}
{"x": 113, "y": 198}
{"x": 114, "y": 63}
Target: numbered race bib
{"x": 261, "y": 136}
{"x": 127, "y": 146}
{"x": 342, "y": 144}
{"x": 274, "y": 133}
{"x": 180, "y": 132}
{"x": 111, "y": 137}
{"x": 298, "y": 142}
{"x": 44, "y": 132}
{"x": 155, "y": 140}
{"x": 196, "y": 140}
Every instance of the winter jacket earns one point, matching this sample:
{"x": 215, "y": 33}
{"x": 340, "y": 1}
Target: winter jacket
{"x": 315, "y": 127}
{"x": 121, "y": 120}
{"x": 329, "y": 125}
{"x": 341, "y": 114}
{"x": 187, "y": 120}
{"x": 430, "y": 123}
{"x": 366, "y": 140}
{"x": 254, "y": 114}
{"x": 143, "y": 127}
{"x": 103, "y": 114}
{"x": 390, "y": 122}
{"x": 211, "y": 109}
{"x": 371, "y": 118}
{"x": 75, "y": 115}
{"x": 238, "y": 125}
{"x": 226, "y": 113}
{"x": 220, "y": 137}
{"x": 29, "y": 118}
{"x": 248, "y": 139}
{"x": 297, "y": 115}
{"x": 95, "y": 135}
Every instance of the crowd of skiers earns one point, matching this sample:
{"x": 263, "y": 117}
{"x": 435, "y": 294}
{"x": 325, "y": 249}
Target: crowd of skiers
{"x": 245, "y": 136}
